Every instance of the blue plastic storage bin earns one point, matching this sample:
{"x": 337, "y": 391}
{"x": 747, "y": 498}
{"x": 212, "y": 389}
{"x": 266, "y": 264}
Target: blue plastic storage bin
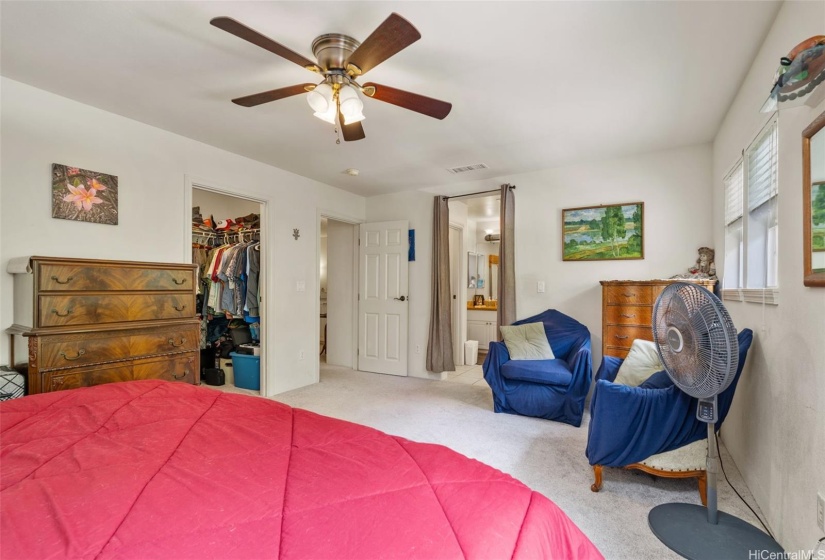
{"x": 247, "y": 371}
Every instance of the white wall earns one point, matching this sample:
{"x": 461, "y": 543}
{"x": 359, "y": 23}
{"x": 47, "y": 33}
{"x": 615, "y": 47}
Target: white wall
{"x": 776, "y": 428}
{"x": 341, "y": 239}
{"x": 675, "y": 186}
{"x": 39, "y": 128}
{"x": 417, "y": 208}
{"x": 220, "y": 206}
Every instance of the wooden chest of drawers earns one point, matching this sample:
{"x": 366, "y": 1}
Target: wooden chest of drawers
{"x": 90, "y": 322}
{"x": 627, "y": 311}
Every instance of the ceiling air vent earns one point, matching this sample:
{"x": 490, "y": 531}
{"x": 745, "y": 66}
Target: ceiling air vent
{"x": 466, "y": 168}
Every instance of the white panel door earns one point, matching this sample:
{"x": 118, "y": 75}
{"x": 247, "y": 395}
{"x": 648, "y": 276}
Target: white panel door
{"x": 383, "y": 298}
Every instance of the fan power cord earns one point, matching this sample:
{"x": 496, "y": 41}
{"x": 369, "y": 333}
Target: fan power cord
{"x": 719, "y": 453}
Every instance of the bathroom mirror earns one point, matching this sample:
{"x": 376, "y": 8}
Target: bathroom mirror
{"x": 813, "y": 201}
{"x": 472, "y": 270}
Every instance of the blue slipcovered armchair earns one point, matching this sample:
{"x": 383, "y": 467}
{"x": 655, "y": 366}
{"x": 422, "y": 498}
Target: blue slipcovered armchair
{"x": 653, "y": 424}
{"x": 552, "y": 389}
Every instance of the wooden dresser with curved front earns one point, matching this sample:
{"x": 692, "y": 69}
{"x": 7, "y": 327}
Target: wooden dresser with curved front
{"x": 92, "y": 321}
{"x": 627, "y": 311}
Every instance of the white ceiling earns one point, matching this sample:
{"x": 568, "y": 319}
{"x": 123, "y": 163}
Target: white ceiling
{"x": 533, "y": 84}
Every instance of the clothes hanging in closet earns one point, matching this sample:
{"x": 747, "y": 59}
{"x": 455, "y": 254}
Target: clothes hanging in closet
{"x": 229, "y": 279}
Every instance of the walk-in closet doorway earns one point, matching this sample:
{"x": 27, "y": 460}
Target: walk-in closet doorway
{"x": 222, "y": 216}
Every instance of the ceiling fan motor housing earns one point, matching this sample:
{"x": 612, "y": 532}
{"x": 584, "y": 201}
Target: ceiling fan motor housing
{"x": 332, "y": 50}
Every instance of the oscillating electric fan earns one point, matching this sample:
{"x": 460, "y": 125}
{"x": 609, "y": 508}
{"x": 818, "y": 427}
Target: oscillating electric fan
{"x": 698, "y": 346}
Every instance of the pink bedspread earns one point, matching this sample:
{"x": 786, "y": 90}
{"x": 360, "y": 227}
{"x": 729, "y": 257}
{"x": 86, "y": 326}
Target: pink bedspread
{"x": 152, "y": 469}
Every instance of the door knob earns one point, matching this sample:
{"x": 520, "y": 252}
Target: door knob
{"x": 402, "y": 298}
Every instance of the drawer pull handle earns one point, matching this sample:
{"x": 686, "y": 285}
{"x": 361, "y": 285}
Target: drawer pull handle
{"x": 181, "y": 376}
{"x": 620, "y": 337}
{"x": 176, "y": 344}
{"x": 79, "y": 353}
{"x": 179, "y": 307}
{"x": 178, "y": 282}
{"x": 626, "y": 316}
{"x": 59, "y": 281}
{"x": 628, "y": 295}
{"x": 59, "y": 314}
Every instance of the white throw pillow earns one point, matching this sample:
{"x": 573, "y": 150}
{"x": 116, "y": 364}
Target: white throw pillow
{"x": 642, "y": 361}
{"x": 527, "y": 342}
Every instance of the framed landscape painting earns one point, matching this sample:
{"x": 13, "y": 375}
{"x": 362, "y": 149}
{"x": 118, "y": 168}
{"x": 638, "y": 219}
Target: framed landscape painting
{"x": 598, "y": 233}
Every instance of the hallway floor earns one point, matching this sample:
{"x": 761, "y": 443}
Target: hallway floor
{"x": 469, "y": 375}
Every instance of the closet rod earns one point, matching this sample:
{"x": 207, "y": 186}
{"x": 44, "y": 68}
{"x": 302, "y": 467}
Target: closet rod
{"x": 496, "y": 191}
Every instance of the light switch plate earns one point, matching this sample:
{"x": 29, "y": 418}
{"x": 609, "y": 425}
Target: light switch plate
{"x": 301, "y": 286}
{"x": 540, "y": 286}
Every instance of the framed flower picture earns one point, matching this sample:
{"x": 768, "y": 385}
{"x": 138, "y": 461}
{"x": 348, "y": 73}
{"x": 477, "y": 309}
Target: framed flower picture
{"x": 596, "y": 233}
{"x": 83, "y": 195}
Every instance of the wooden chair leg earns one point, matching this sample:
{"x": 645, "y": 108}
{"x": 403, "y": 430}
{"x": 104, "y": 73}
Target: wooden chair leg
{"x": 703, "y": 488}
{"x": 597, "y": 471}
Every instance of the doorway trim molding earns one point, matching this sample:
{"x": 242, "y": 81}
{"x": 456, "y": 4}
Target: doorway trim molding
{"x": 460, "y": 329}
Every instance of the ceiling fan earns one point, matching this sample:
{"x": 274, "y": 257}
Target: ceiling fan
{"x": 340, "y": 60}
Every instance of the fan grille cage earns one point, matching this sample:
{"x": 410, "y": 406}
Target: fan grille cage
{"x": 696, "y": 339}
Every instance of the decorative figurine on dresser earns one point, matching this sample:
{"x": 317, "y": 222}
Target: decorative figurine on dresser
{"x": 90, "y": 322}
{"x": 627, "y": 311}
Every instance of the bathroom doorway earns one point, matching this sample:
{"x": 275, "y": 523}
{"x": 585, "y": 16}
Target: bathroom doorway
{"x": 475, "y": 265}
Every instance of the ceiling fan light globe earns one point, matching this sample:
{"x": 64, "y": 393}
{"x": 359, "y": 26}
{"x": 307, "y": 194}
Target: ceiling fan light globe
{"x": 350, "y": 119}
{"x": 352, "y": 107}
{"x": 320, "y": 98}
{"x": 328, "y": 115}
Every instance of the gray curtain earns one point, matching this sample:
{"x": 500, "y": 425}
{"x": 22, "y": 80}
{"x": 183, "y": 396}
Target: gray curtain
{"x": 440, "y": 343}
{"x": 507, "y": 259}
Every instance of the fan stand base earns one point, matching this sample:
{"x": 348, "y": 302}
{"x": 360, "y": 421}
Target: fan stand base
{"x": 685, "y": 529}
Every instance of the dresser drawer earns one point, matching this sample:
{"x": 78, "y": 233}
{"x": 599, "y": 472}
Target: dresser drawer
{"x": 86, "y": 309}
{"x": 86, "y": 377}
{"x": 628, "y": 314}
{"x": 629, "y": 295}
{"x": 616, "y": 351}
{"x": 65, "y": 351}
{"x": 166, "y": 340}
{"x": 77, "y": 351}
{"x": 624, "y": 336}
{"x": 179, "y": 368}
{"x": 77, "y": 277}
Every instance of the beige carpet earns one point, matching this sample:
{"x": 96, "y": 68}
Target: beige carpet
{"x": 547, "y": 456}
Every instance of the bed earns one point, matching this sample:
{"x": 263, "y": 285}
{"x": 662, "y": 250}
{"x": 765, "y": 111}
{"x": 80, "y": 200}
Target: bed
{"x": 157, "y": 469}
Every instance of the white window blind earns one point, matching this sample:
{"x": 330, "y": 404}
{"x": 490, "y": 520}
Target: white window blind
{"x": 762, "y": 168}
{"x": 733, "y": 194}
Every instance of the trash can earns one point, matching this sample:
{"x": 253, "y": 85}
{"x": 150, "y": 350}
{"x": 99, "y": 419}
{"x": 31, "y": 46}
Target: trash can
{"x": 470, "y": 352}
{"x": 247, "y": 371}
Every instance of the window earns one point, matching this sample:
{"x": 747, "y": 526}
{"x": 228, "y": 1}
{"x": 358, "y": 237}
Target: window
{"x": 734, "y": 253}
{"x": 751, "y": 221}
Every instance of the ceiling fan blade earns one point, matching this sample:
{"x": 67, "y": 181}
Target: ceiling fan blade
{"x": 412, "y": 101}
{"x": 391, "y": 37}
{"x": 351, "y": 132}
{"x": 271, "y": 95}
{"x": 240, "y": 30}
